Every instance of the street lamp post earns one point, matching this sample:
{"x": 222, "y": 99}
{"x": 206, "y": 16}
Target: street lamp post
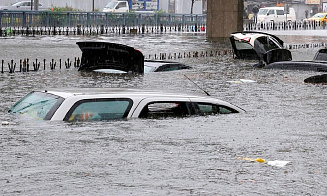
{"x": 92, "y": 5}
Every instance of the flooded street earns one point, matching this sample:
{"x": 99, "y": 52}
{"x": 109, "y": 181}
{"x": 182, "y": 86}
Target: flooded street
{"x": 285, "y": 120}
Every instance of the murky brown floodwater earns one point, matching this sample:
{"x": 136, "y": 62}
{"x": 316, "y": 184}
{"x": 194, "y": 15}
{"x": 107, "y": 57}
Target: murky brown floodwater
{"x": 285, "y": 120}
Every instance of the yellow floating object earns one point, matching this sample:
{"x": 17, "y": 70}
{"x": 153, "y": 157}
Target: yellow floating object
{"x": 260, "y": 160}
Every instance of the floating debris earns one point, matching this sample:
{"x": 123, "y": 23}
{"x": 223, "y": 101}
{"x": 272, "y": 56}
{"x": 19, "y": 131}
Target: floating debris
{"x": 276, "y": 163}
{"x": 240, "y": 81}
{"x": 4, "y": 123}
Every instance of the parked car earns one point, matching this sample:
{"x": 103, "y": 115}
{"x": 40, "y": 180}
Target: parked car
{"x": 269, "y": 51}
{"x": 108, "y": 57}
{"x": 276, "y": 14}
{"x": 23, "y": 6}
{"x": 319, "y": 17}
{"x": 110, "y": 104}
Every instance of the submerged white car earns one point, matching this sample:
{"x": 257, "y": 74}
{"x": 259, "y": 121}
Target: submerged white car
{"x": 110, "y": 104}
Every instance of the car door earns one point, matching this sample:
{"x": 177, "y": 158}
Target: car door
{"x": 271, "y": 15}
{"x": 280, "y": 16}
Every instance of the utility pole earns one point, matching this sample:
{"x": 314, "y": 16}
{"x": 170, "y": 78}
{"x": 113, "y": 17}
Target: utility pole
{"x": 31, "y": 4}
{"x": 192, "y": 6}
{"x": 92, "y": 5}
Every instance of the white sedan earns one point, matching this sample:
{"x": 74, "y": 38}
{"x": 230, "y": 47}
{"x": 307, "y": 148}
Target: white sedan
{"x": 110, "y": 104}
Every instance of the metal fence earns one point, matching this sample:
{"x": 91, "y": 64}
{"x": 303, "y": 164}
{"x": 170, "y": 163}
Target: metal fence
{"x": 81, "y": 23}
{"x": 275, "y": 26}
{"x": 46, "y": 19}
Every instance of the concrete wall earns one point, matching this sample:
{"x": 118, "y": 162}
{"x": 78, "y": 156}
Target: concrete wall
{"x": 224, "y": 17}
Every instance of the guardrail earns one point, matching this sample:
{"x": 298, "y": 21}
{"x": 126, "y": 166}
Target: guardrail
{"x": 73, "y": 19}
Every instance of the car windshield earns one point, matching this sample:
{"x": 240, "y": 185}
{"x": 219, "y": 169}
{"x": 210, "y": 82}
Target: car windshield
{"x": 35, "y": 104}
{"x": 263, "y": 12}
{"x": 319, "y": 15}
{"x": 147, "y": 69}
{"x": 111, "y": 4}
{"x": 17, "y": 4}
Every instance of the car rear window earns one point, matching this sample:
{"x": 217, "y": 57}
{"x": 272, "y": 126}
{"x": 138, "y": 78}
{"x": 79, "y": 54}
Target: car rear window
{"x": 38, "y": 105}
{"x": 99, "y": 110}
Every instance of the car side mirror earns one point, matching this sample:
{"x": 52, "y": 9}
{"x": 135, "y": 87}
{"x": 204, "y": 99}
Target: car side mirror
{"x": 267, "y": 14}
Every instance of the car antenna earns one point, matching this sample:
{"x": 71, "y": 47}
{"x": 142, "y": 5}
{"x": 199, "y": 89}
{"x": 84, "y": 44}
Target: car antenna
{"x": 197, "y": 85}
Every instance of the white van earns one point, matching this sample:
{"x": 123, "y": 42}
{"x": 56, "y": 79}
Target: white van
{"x": 276, "y": 14}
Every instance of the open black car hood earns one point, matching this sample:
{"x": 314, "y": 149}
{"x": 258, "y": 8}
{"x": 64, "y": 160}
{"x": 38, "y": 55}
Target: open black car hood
{"x": 105, "y": 55}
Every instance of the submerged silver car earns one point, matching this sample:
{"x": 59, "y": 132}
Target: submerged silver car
{"x": 110, "y": 104}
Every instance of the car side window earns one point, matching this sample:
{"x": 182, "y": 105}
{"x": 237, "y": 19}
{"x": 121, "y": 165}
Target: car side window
{"x": 271, "y": 12}
{"x": 165, "y": 110}
{"x": 99, "y": 110}
{"x": 121, "y": 4}
{"x": 266, "y": 43}
{"x": 280, "y": 12}
{"x": 209, "y": 109}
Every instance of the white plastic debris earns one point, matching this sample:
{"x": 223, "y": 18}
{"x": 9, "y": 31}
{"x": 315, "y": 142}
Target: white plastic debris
{"x": 5, "y": 123}
{"x": 241, "y": 81}
{"x": 278, "y": 163}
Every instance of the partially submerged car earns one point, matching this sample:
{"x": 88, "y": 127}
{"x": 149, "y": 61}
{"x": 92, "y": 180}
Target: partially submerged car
{"x": 260, "y": 46}
{"x": 110, "y": 104}
{"x": 117, "y": 58}
{"x": 319, "y": 63}
{"x": 270, "y": 52}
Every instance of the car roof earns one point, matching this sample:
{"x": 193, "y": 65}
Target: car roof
{"x": 117, "y": 91}
{"x": 277, "y": 8}
{"x": 254, "y": 35}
